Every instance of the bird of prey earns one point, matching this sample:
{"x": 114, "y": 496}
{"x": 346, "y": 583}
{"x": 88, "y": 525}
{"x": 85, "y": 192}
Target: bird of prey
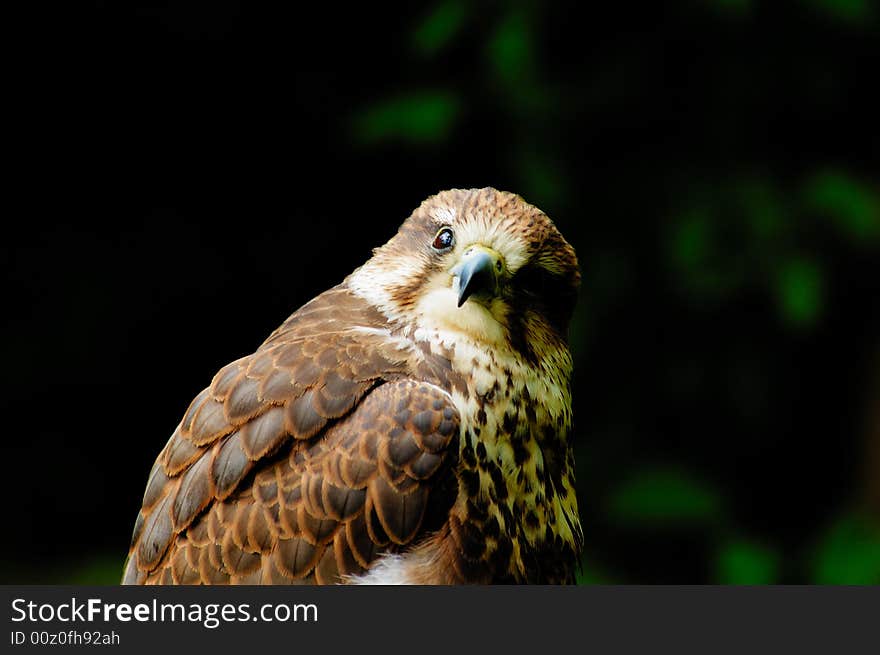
{"x": 408, "y": 426}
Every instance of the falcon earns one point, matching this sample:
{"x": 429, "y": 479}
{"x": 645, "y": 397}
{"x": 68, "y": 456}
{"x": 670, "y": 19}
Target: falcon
{"x": 408, "y": 426}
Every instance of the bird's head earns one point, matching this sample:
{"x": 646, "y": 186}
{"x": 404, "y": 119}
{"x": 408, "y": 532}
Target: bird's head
{"x": 481, "y": 262}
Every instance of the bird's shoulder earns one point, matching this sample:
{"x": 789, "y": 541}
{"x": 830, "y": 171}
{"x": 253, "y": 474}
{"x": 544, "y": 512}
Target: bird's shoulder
{"x": 325, "y": 437}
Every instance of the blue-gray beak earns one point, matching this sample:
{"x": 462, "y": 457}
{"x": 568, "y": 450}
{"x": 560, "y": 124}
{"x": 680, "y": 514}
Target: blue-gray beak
{"x": 477, "y": 273}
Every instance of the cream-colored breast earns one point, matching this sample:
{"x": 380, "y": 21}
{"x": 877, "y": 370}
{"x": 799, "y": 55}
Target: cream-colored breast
{"x": 508, "y": 409}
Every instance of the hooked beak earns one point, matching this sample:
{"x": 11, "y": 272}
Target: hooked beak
{"x": 477, "y": 272}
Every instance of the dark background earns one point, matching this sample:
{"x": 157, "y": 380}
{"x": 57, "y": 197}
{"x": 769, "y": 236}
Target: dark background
{"x": 184, "y": 175}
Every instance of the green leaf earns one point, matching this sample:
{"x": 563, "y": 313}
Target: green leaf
{"x": 419, "y": 118}
{"x": 849, "y": 552}
{"x": 691, "y": 240}
{"x": 851, "y": 207}
{"x": 746, "y": 563}
{"x": 800, "y": 291}
{"x": 591, "y": 573}
{"x": 702, "y": 263}
{"x": 439, "y": 28}
{"x": 511, "y": 50}
{"x": 99, "y": 570}
{"x": 845, "y": 11}
{"x": 662, "y": 496}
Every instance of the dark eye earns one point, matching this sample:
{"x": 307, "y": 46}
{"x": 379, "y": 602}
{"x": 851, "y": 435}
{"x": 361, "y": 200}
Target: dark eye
{"x": 444, "y": 239}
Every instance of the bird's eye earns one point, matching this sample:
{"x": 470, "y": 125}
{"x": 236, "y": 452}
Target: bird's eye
{"x": 444, "y": 239}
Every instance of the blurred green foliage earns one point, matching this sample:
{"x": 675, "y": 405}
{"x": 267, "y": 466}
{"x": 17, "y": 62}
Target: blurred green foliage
{"x": 591, "y": 573}
{"x": 849, "y": 552}
{"x": 754, "y": 230}
{"x": 511, "y": 49}
{"x": 849, "y": 205}
{"x": 417, "y": 118}
{"x": 100, "y": 570}
{"x": 700, "y": 255}
{"x": 665, "y": 496}
{"x": 799, "y": 289}
{"x": 96, "y": 569}
{"x": 746, "y": 563}
{"x": 439, "y": 28}
{"x": 853, "y": 12}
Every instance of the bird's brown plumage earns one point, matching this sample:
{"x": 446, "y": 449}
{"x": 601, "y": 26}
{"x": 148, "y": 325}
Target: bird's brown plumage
{"x": 376, "y": 425}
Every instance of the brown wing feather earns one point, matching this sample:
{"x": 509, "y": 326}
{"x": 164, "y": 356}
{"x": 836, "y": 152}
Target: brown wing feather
{"x": 300, "y": 463}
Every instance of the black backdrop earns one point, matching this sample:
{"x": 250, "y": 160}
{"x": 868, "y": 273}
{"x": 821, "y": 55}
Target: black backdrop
{"x": 186, "y": 174}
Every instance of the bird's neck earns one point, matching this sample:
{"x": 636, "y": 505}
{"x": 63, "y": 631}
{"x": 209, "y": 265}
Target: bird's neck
{"x": 516, "y": 470}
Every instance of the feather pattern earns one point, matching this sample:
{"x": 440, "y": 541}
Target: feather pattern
{"x": 386, "y": 427}
{"x": 302, "y": 517}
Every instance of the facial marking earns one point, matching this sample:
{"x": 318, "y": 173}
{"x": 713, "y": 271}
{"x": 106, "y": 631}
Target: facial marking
{"x": 415, "y": 283}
